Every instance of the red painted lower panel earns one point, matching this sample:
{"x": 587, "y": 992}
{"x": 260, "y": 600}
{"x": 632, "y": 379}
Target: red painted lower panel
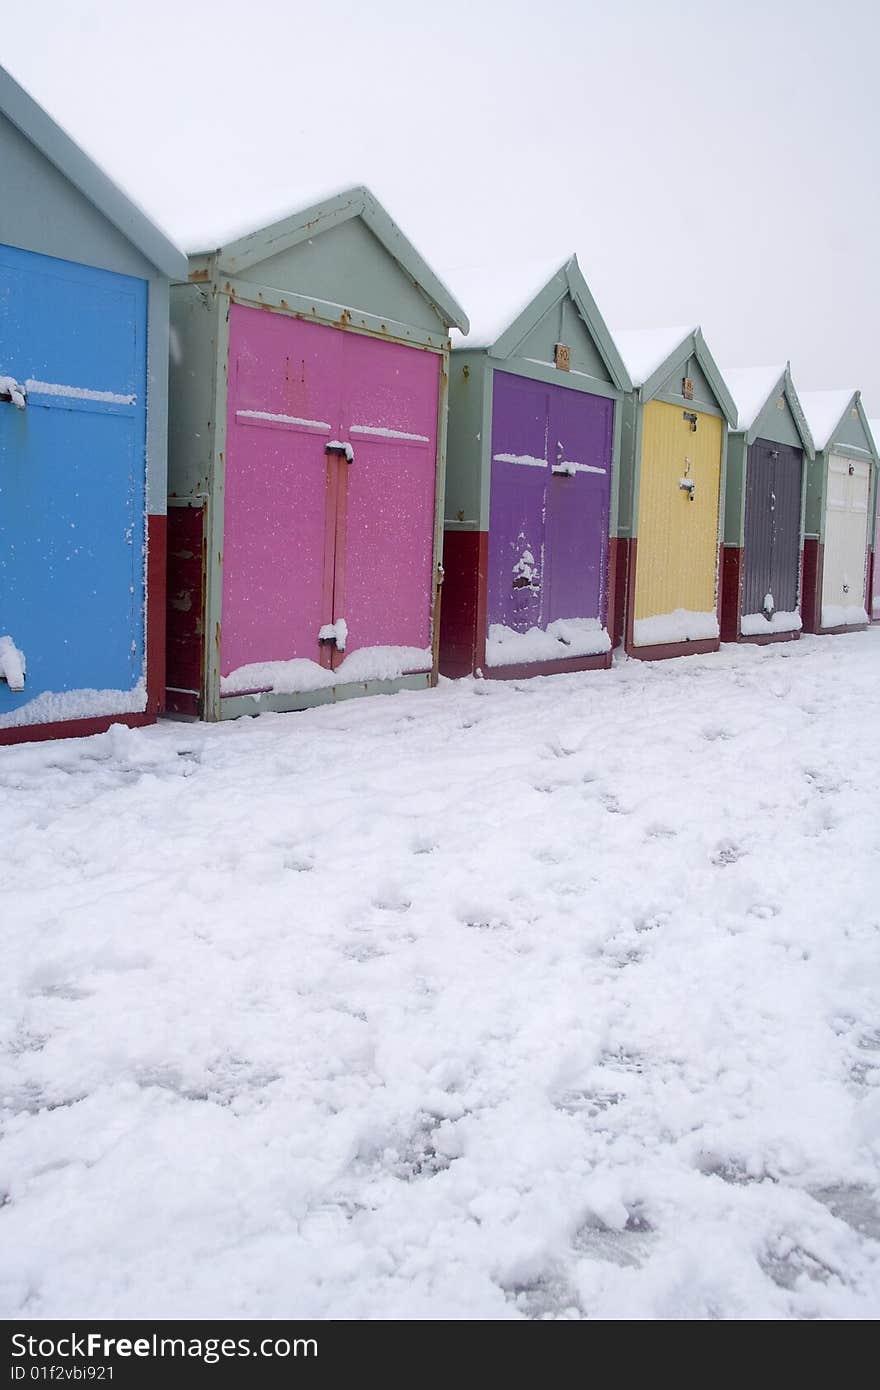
{"x": 548, "y": 668}
{"x": 157, "y": 559}
{"x": 623, "y": 569}
{"x": 764, "y": 639}
{"x": 811, "y": 586}
{"x": 72, "y": 728}
{"x": 185, "y": 609}
{"x": 463, "y": 610}
{"x": 731, "y": 592}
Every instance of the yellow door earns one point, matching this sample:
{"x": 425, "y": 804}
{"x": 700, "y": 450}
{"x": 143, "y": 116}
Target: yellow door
{"x": 677, "y": 553}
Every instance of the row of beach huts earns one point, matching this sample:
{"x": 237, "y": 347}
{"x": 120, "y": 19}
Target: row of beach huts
{"x": 348, "y": 486}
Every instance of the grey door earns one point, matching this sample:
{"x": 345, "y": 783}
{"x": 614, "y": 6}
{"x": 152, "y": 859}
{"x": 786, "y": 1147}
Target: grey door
{"x": 771, "y": 562}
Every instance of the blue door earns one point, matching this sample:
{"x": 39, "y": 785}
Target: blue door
{"x": 72, "y": 482}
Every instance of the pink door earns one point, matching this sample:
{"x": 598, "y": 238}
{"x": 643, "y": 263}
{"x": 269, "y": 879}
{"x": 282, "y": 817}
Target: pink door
{"x": 309, "y": 537}
{"x": 384, "y": 562}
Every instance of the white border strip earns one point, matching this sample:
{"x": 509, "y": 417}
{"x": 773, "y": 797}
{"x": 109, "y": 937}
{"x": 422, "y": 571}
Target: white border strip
{"x": 384, "y": 433}
{"x": 76, "y": 393}
{"x": 282, "y": 419}
{"x": 524, "y": 460}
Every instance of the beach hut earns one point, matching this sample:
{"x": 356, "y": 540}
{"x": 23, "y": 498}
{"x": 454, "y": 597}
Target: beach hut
{"x": 764, "y": 495}
{"x": 874, "y": 427}
{"x": 531, "y": 497}
{"x": 84, "y": 279}
{"x": 839, "y": 520}
{"x": 307, "y": 448}
{"x": 673, "y": 451}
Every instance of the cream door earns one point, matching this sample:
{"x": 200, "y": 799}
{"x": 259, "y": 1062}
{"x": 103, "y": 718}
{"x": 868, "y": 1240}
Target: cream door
{"x": 846, "y": 542}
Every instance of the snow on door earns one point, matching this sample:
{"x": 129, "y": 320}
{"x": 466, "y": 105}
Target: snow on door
{"x": 548, "y": 522}
{"x": 72, "y": 488}
{"x": 771, "y": 560}
{"x": 329, "y": 506}
{"x": 678, "y": 516}
{"x": 846, "y": 542}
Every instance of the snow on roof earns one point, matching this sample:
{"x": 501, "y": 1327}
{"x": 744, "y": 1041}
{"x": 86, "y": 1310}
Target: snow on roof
{"x": 231, "y": 226}
{"x": 495, "y": 295}
{"x": 823, "y": 410}
{"x": 750, "y": 388}
{"x": 645, "y": 349}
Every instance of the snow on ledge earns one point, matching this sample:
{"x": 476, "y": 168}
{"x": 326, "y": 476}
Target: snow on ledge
{"x": 559, "y": 641}
{"x": 56, "y": 707}
{"x": 680, "y": 626}
{"x": 300, "y": 676}
{"x": 837, "y": 615}
{"x": 755, "y": 624}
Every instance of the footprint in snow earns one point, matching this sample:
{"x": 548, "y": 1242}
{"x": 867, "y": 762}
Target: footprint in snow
{"x": 650, "y": 921}
{"x": 480, "y": 920}
{"x": 299, "y": 863}
{"x": 865, "y": 1070}
{"x": 547, "y": 856}
{"x": 728, "y": 852}
{"x": 786, "y": 1264}
{"x": 587, "y": 1102}
{"x": 423, "y": 844}
{"x": 391, "y": 900}
{"x": 621, "y": 959}
{"x": 660, "y": 832}
{"x": 729, "y": 1170}
{"x": 821, "y": 782}
{"x": 59, "y": 989}
{"x": 362, "y": 951}
{"x": 715, "y": 734}
{"x": 854, "y": 1204}
{"x": 619, "y": 1059}
{"x": 628, "y": 1247}
{"x": 764, "y": 911}
{"x": 548, "y": 1295}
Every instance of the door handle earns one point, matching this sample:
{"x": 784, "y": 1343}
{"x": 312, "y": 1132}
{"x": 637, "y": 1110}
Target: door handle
{"x": 12, "y": 664}
{"x": 334, "y": 634}
{"x": 341, "y": 448}
{"x": 13, "y": 391}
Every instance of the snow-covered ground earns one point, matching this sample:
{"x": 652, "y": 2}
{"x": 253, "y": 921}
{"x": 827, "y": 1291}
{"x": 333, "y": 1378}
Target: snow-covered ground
{"x": 555, "y": 998}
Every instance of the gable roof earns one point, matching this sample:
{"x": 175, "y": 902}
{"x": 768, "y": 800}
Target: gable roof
{"x": 874, "y": 427}
{"x": 825, "y": 411}
{"x": 503, "y": 322}
{"x": 239, "y": 255}
{"x": 753, "y": 387}
{"x": 652, "y": 356}
{"x": 645, "y": 349}
{"x": 38, "y": 127}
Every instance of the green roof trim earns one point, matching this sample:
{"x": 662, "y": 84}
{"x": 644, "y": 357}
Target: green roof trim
{"x": 260, "y": 245}
{"x": 784, "y": 387}
{"x": 692, "y": 345}
{"x": 568, "y": 280}
{"x": 46, "y": 135}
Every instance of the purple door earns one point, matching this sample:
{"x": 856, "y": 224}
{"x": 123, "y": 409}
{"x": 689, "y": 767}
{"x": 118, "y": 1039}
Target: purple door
{"x": 576, "y": 540}
{"x": 548, "y": 514}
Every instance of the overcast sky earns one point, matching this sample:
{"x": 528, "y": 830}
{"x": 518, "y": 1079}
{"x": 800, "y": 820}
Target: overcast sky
{"x": 711, "y": 162}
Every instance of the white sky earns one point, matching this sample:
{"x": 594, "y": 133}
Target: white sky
{"x": 709, "y": 161}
